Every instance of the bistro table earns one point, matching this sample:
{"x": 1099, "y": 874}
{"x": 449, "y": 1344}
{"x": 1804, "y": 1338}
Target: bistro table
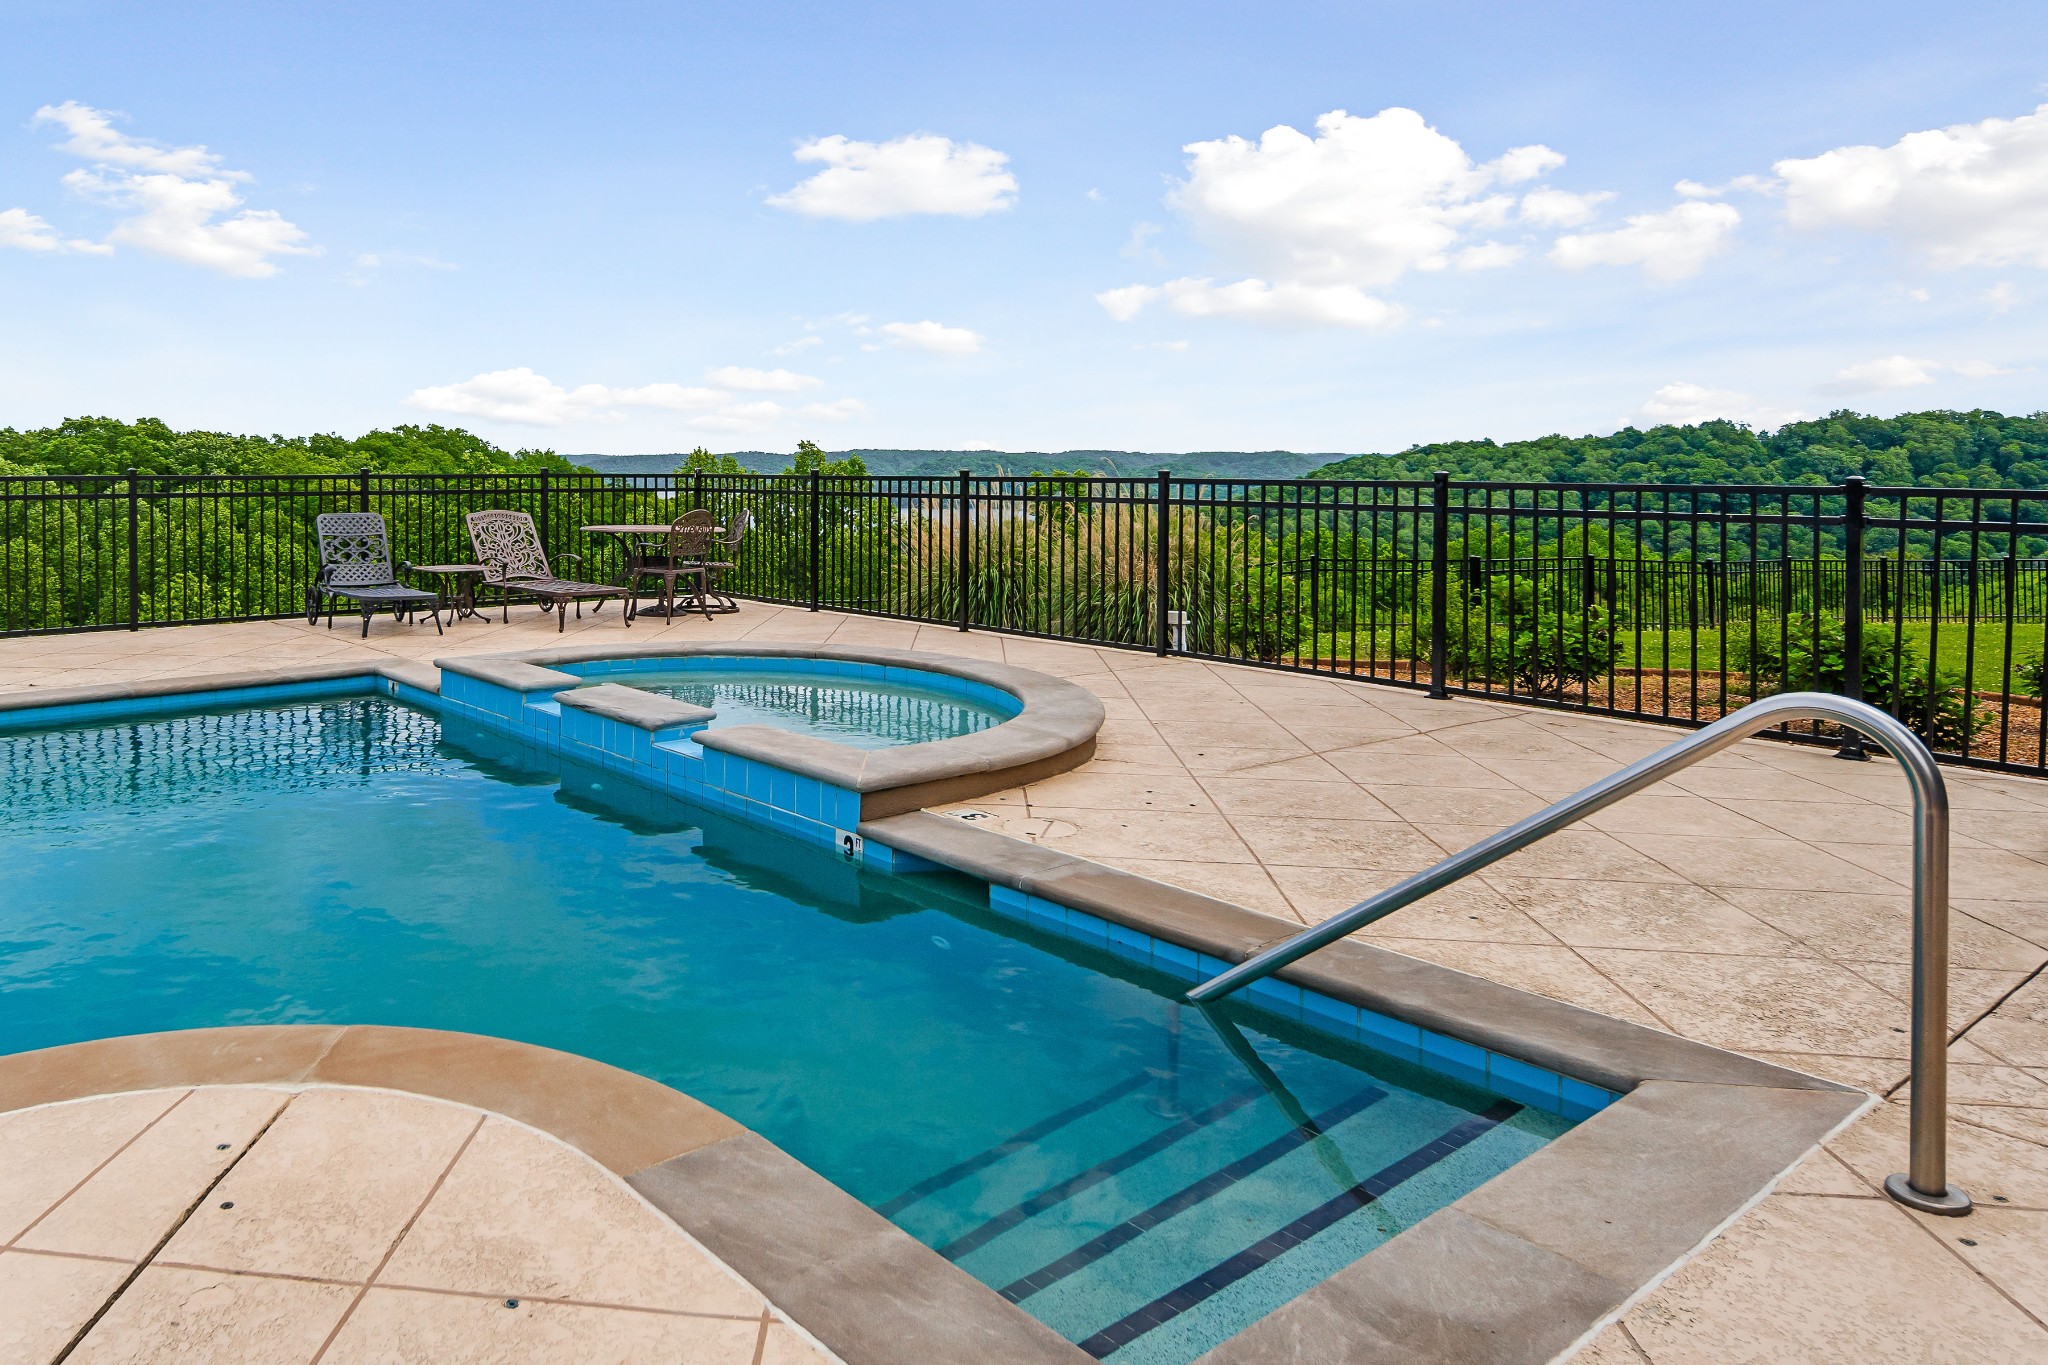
{"x": 465, "y": 578}
{"x": 633, "y": 538}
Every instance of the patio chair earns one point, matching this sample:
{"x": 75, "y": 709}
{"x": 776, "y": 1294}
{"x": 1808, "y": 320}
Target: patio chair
{"x": 355, "y": 566}
{"x": 728, "y": 549}
{"x": 681, "y": 554}
{"x": 508, "y": 546}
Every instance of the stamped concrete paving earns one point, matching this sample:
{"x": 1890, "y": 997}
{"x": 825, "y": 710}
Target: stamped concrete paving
{"x": 247, "y": 1223}
{"x": 1759, "y": 903}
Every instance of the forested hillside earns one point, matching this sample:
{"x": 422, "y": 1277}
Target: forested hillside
{"x": 1952, "y": 449}
{"x": 1956, "y": 449}
{"x": 101, "y": 445}
{"x": 1131, "y": 464}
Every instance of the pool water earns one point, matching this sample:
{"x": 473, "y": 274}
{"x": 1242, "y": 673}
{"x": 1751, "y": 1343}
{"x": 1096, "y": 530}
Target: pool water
{"x": 1147, "y": 1177}
{"x": 859, "y": 712}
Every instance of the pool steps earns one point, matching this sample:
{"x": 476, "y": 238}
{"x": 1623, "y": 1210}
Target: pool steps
{"x": 1101, "y": 1240}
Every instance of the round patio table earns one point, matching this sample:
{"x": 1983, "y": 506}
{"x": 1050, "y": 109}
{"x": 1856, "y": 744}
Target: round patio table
{"x": 633, "y": 547}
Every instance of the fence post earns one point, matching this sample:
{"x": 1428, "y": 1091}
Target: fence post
{"x": 697, "y": 493}
{"x": 817, "y": 538}
{"x": 1853, "y": 488}
{"x": 134, "y": 560}
{"x": 1439, "y": 583}
{"x": 544, "y": 507}
{"x": 1162, "y": 570}
{"x": 963, "y": 545}
{"x": 363, "y": 489}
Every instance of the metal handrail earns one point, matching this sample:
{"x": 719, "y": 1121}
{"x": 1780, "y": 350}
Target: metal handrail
{"x": 1925, "y": 1186}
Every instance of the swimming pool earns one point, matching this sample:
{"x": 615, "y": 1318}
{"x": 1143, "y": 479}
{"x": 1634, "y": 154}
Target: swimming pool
{"x": 863, "y": 708}
{"x": 1144, "y": 1176}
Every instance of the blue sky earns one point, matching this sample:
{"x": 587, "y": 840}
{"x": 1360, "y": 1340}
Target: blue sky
{"x": 624, "y": 228}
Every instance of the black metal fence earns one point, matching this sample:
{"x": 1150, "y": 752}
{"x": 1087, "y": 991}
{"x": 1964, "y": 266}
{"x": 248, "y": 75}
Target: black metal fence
{"x": 1670, "y": 603}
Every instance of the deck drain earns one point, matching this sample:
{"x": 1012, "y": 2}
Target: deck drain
{"x": 220, "y": 1146}
{"x": 511, "y": 1303}
{"x": 1967, "y": 1241}
{"x": 227, "y": 1203}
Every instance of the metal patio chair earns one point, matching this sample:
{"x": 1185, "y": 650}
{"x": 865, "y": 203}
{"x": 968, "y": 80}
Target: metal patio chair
{"x": 355, "y": 566}
{"x": 681, "y": 554}
{"x": 728, "y": 550}
{"x": 508, "y": 546}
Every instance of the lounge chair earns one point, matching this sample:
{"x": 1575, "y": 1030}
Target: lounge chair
{"x": 355, "y": 566}
{"x": 508, "y": 546}
{"x": 682, "y": 554}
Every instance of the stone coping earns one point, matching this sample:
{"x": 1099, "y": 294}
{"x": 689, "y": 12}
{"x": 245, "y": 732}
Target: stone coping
{"x": 1542, "y": 1256}
{"x": 1053, "y": 732}
{"x": 872, "y": 1293}
{"x": 231, "y": 680}
{"x": 641, "y": 709}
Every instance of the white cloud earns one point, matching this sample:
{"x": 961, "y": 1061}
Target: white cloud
{"x": 921, "y": 173}
{"x": 934, "y": 337}
{"x": 673, "y": 397}
{"x": 838, "y": 410}
{"x": 1693, "y": 189}
{"x": 517, "y": 395}
{"x": 1971, "y": 194}
{"x": 801, "y": 343}
{"x": 1903, "y": 372}
{"x": 94, "y": 138}
{"x": 1668, "y": 246}
{"x": 2001, "y": 296}
{"x": 23, "y": 231}
{"x": 1686, "y": 404}
{"x": 762, "y": 381}
{"x": 1317, "y": 225}
{"x": 740, "y": 418}
{"x": 1487, "y": 256}
{"x": 177, "y": 201}
{"x": 1561, "y": 208}
{"x": 524, "y": 396}
{"x": 1341, "y": 305}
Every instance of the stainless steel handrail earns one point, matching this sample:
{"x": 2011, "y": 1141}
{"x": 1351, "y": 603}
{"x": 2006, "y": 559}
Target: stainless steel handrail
{"x": 1925, "y": 1185}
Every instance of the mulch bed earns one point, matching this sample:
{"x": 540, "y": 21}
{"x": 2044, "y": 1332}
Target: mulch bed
{"x": 1646, "y": 694}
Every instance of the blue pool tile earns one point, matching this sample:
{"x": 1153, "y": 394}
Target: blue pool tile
{"x": 1171, "y": 957}
{"x": 1524, "y": 1082}
{"x": 782, "y": 789}
{"x": 1282, "y": 997}
{"x": 1008, "y": 898}
{"x": 1454, "y": 1057}
{"x": 810, "y": 798}
{"x": 1582, "y": 1101}
{"x": 1334, "y": 1016}
{"x": 1131, "y": 942}
{"x": 1388, "y": 1034}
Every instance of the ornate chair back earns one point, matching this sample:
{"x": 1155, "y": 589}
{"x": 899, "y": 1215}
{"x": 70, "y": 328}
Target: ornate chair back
{"x": 508, "y": 546}
{"x": 355, "y": 549}
{"x": 690, "y": 537}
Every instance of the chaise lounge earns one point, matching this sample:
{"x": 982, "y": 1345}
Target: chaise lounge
{"x": 514, "y": 562}
{"x": 355, "y": 565}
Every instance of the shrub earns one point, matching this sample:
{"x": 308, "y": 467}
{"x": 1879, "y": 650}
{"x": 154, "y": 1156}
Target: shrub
{"x": 1813, "y": 657}
{"x": 1539, "y": 649}
{"x": 2032, "y": 674}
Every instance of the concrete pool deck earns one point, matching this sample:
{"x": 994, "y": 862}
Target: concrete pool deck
{"x": 341, "y": 1224}
{"x": 1758, "y": 906}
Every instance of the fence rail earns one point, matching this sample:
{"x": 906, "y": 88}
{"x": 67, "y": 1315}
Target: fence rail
{"x": 1661, "y": 602}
